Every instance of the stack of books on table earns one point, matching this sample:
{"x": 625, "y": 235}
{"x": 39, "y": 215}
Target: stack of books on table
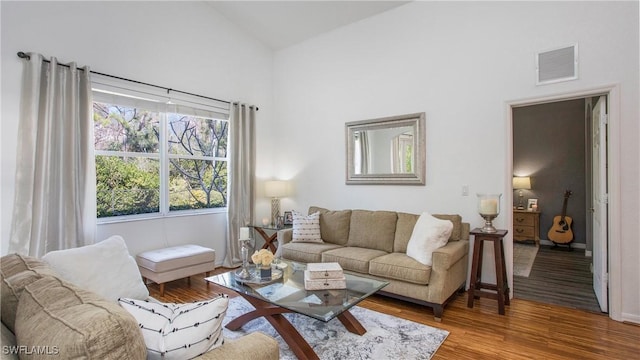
{"x": 323, "y": 276}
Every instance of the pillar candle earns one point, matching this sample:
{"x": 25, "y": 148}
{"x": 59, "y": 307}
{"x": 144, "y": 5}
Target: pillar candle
{"x": 489, "y": 207}
{"x": 244, "y": 233}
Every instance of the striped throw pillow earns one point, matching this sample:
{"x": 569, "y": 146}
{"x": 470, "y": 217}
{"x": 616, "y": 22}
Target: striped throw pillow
{"x": 179, "y": 331}
{"x": 306, "y": 228}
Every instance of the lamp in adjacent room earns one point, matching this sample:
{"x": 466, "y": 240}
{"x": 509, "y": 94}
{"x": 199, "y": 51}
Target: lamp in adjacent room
{"x": 521, "y": 183}
{"x": 275, "y": 189}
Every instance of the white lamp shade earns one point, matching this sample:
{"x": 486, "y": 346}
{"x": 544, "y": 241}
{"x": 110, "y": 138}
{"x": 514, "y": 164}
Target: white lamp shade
{"x": 275, "y": 188}
{"x": 522, "y": 183}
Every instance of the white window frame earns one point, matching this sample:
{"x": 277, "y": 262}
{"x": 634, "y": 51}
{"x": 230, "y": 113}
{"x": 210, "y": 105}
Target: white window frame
{"x": 105, "y": 90}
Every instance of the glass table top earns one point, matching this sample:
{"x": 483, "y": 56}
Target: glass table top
{"x": 288, "y": 291}
{"x": 271, "y": 227}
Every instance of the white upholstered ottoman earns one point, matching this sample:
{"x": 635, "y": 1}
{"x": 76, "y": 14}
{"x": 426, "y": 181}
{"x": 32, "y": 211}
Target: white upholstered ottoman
{"x": 177, "y": 262}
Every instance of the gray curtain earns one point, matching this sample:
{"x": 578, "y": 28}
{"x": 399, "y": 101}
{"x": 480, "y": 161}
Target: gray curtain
{"x": 55, "y": 198}
{"x": 240, "y": 178}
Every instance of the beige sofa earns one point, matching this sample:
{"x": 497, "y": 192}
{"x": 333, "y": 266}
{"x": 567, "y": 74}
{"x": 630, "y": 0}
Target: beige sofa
{"x": 43, "y": 315}
{"x": 374, "y": 244}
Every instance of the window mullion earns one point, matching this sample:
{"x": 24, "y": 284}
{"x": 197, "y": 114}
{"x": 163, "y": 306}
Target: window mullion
{"x": 164, "y": 165}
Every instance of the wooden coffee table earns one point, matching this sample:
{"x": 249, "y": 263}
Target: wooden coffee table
{"x": 286, "y": 294}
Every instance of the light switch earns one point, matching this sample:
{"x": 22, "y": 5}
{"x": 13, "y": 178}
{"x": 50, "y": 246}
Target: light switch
{"x": 465, "y": 190}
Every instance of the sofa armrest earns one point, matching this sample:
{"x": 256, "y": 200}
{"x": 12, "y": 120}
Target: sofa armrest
{"x": 284, "y": 236}
{"x": 253, "y": 346}
{"x": 465, "y": 231}
{"x": 446, "y": 256}
{"x": 449, "y": 271}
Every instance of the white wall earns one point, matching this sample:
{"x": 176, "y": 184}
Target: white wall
{"x": 461, "y": 63}
{"x": 181, "y": 45}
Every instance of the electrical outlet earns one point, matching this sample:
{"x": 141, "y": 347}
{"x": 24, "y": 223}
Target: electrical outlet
{"x": 465, "y": 190}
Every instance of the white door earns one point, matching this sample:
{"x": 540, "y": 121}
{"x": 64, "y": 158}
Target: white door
{"x": 599, "y": 201}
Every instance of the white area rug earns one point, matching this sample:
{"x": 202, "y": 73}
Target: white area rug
{"x": 387, "y": 337}
{"x": 523, "y": 258}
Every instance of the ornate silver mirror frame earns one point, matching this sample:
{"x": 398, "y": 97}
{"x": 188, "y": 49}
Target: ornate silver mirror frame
{"x": 386, "y": 151}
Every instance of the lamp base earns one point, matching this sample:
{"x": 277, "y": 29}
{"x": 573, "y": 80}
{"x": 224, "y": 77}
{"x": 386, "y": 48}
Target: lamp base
{"x": 275, "y": 211}
{"x": 520, "y": 201}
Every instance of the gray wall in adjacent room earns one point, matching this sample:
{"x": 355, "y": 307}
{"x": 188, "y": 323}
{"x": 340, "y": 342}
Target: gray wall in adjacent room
{"x": 549, "y": 146}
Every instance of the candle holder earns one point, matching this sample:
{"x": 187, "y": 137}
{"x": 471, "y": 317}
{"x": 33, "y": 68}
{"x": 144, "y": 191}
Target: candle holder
{"x": 489, "y": 208}
{"x": 244, "y": 273}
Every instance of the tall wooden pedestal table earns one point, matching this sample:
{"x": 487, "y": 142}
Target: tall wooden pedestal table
{"x": 499, "y": 291}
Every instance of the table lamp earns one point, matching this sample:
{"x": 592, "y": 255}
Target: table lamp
{"x": 275, "y": 189}
{"x": 521, "y": 183}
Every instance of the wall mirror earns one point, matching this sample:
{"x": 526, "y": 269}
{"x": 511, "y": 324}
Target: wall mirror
{"x": 389, "y": 151}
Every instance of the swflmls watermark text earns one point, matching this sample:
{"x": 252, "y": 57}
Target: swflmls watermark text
{"x": 30, "y": 350}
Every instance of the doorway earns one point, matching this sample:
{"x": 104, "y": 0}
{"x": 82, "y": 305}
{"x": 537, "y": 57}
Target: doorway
{"x": 560, "y": 145}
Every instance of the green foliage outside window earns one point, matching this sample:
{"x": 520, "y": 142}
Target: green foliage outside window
{"x": 127, "y": 186}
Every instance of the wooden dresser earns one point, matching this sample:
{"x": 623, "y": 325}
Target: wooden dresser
{"x": 526, "y": 225}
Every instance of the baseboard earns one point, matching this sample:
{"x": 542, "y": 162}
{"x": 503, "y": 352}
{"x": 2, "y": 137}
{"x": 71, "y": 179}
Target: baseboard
{"x": 573, "y": 245}
{"x": 631, "y": 318}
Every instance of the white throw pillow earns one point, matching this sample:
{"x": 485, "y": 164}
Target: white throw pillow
{"x": 179, "y": 331}
{"x": 428, "y": 234}
{"x": 306, "y": 228}
{"x": 105, "y": 268}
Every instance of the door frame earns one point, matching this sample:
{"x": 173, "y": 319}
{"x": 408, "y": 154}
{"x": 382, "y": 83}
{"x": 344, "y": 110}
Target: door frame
{"x": 613, "y": 178}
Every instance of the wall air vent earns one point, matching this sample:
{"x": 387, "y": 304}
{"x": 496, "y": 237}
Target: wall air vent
{"x": 557, "y": 65}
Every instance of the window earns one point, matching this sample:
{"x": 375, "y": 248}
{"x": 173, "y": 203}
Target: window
{"x": 158, "y": 155}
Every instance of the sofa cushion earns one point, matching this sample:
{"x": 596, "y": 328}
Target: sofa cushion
{"x": 179, "y": 331}
{"x": 372, "y": 229}
{"x": 7, "y": 338}
{"x": 456, "y": 220}
{"x": 105, "y": 268}
{"x": 305, "y": 252}
{"x": 306, "y": 228}
{"x": 404, "y": 229}
{"x": 18, "y": 271}
{"x": 75, "y": 323}
{"x": 399, "y": 266}
{"x": 406, "y": 223}
{"x": 334, "y": 225}
{"x": 352, "y": 258}
{"x": 428, "y": 235}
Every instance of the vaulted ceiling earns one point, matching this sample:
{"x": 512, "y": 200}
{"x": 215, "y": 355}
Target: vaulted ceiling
{"x": 280, "y": 24}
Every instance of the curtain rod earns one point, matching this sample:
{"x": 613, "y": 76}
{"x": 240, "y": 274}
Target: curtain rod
{"x": 23, "y": 55}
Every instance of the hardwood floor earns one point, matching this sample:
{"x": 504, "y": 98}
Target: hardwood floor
{"x": 529, "y": 330}
{"x": 559, "y": 277}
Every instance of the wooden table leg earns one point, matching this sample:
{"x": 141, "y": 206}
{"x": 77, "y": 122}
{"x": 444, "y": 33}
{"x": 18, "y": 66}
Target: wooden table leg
{"x": 268, "y": 239}
{"x": 351, "y": 323}
{"x": 273, "y": 314}
{"x": 476, "y": 269}
{"x": 504, "y": 275}
{"x": 497, "y": 247}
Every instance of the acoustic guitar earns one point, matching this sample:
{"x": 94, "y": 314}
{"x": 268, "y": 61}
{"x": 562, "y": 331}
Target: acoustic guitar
{"x": 560, "y": 232}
